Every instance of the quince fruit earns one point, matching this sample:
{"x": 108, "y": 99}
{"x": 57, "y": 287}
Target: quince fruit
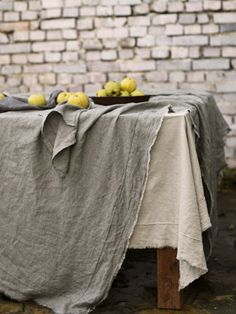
{"x": 63, "y": 97}
{"x": 137, "y": 92}
{"x": 79, "y": 99}
{"x": 2, "y": 96}
{"x": 112, "y": 88}
{"x": 128, "y": 84}
{"x": 124, "y": 93}
{"x": 101, "y": 93}
{"x": 37, "y": 100}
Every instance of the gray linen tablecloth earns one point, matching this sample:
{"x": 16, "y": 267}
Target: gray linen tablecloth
{"x": 72, "y": 185}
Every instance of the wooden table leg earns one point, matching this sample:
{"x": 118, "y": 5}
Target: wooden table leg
{"x": 168, "y": 279}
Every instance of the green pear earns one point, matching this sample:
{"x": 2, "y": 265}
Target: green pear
{"x": 112, "y": 88}
{"x": 101, "y": 93}
{"x": 124, "y": 93}
{"x": 137, "y": 92}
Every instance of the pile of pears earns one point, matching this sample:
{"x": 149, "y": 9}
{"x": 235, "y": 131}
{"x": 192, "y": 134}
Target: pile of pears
{"x": 127, "y": 87}
{"x": 78, "y": 99}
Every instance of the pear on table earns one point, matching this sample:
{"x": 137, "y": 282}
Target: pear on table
{"x": 37, "y": 100}
{"x": 2, "y": 96}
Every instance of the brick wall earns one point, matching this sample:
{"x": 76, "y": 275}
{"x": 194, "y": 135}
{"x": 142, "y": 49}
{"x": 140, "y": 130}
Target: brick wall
{"x": 79, "y": 44}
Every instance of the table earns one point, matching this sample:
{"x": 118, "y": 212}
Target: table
{"x": 176, "y": 151}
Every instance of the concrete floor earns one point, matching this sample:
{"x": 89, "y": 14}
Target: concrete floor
{"x": 134, "y": 289}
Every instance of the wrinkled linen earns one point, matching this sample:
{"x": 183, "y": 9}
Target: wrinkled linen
{"x": 64, "y": 235}
{"x": 71, "y": 186}
{"x": 179, "y": 224}
{"x": 210, "y": 129}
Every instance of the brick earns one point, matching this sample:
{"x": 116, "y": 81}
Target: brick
{"x": 73, "y": 3}
{"x": 141, "y": 9}
{"x": 223, "y": 40}
{"x": 52, "y": 57}
{"x": 156, "y": 30}
{"x": 54, "y": 35}
{"x": 70, "y": 12}
{"x": 64, "y": 78}
{"x": 84, "y": 23}
{"x": 108, "y": 55}
{"x": 20, "y": 6}
{"x": 37, "y": 35}
{"x": 5, "y": 59}
{"x": 229, "y": 5}
{"x": 211, "y": 5}
{"x": 19, "y": 59}
{"x": 96, "y": 77}
{"x": 15, "y": 48}
{"x": 193, "y": 6}
{"x": 51, "y": 13}
{"x": 11, "y": 69}
{"x": 91, "y": 89}
{"x": 11, "y": 16}
{"x": 174, "y": 29}
{"x": 228, "y": 28}
{"x": 177, "y": 76}
{"x": 143, "y": 53}
{"x": 190, "y": 40}
{"x": 80, "y": 79}
{"x": 215, "y": 75}
{"x": 210, "y": 29}
{"x": 13, "y": 81}
{"x": 48, "y": 46}
{"x": 179, "y": 52}
{"x": 121, "y": 10}
{"x": 70, "y": 56}
{"x": 159, "y": 6}
{"x": 109, "y": 2}
{"x": 121, "y": 32}
{"x": 6, "y": 6}
{"x": 93, "y": 55}
{"x": 137, "y": 31}
{"x": 205, "y": 86}
{"x": 203, "y": 18}
{"x": 211, "y": 64}
{"x": 69, "y": 33}
{"x": 103, "y": 66}
{"x": 3, "y": 38}
{"x": 29, "y": 15}
{"x": 147, "y": 41}
{"x": 47, "y": 79}
{"x": 195, "y": 76}
{"x": 21, "y": 36}
{"x": 154, "y": 87}
{"x": 226, "y": 86}
{"x": 136, "y": 65}
{"x": 110, "y": 43}
{"x": 52, "y": 4}
{"x": 109, "y": 22}
{"x": 139, "y": 20}
{"x": 222, "y": 18}
{"x": 163, "y": 40}
{"x": 35, "y": 57}
{"x": 156, "y": 76}
{"x": 160, "y": 53}
{"x": 163, "y": 19}
{"x": 176, "y": 6}
{"x": 126, "y": 54}
{"x": 104, "y": 11}
{"x": 127, "y": 42}
{"x": 187, "y": 18}
{"x": 192, "y": 29}
{"x": 229, "y": 52}
{"x": 38, "y": 68}
{"x": 79, "y": 67}
{"x": 231, "y": 75}
{"x": 86, "y": 34}
{"x": 92, "y": 44}
{"x": 35, "y": 25}
{"x": 87, "y": 11}
{"x": 58, "y": 24}
{"x": 211, "y": 52}
{"x": 174, "y": 65}
{"x": 35, "y": 5}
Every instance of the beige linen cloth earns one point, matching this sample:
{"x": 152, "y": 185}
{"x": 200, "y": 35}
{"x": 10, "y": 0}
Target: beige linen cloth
{"x": 174, "y": 211}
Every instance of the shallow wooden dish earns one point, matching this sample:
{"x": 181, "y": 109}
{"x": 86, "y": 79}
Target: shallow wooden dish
{"x": 106, "y": 101}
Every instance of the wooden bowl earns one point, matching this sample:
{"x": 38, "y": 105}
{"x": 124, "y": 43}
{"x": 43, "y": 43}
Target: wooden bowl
{"x": 106, "y": 101}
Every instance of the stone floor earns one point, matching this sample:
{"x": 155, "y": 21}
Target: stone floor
{"x": 134, "y": 290}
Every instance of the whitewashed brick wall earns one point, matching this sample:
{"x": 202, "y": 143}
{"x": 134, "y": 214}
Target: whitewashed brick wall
{"x": 79, "y": 44}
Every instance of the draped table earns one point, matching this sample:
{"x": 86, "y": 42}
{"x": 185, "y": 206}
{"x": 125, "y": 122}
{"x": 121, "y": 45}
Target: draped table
{"x": 172, "y": 209}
